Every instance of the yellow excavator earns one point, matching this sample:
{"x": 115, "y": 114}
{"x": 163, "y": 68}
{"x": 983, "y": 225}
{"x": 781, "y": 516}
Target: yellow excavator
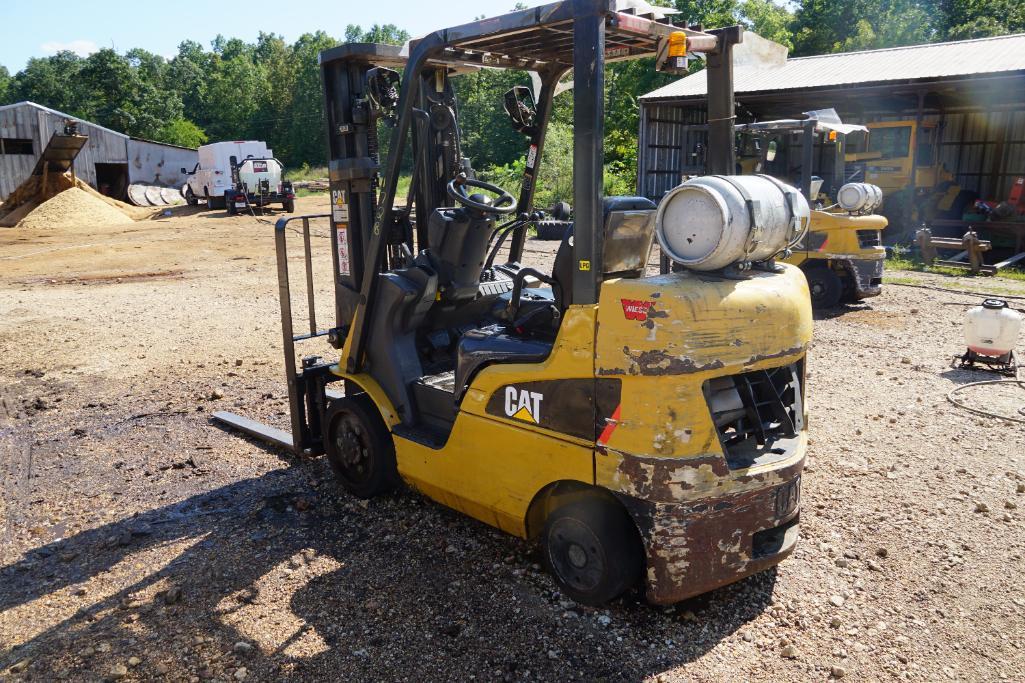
{"x": 902, "y": 158}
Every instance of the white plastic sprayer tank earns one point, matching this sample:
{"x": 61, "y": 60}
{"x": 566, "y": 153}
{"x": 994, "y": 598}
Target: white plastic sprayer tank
{"x": 711, "y": 222}
{"x": 252, "y": 171}
{"x": 992, "y": 328}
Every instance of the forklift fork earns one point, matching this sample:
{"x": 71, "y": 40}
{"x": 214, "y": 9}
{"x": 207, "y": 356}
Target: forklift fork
{"x": 307, "y": 387}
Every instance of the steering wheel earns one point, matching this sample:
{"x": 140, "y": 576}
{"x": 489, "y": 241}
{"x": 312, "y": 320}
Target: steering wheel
{"x": 456, "y": 188}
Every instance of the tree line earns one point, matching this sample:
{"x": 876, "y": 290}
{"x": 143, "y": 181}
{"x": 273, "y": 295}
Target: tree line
{"x": 270, "y": 90}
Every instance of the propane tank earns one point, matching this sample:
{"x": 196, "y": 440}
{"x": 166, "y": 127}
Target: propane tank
{"x": 712, "y": 222}
{"x": 992, "y": 328}
{"x": 859, "y": 197}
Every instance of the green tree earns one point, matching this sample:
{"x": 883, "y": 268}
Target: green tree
{"x": 187, "y": 74}
{"x": 822, "y": 26}
{"x": 768, "y": 20}
{"x": 5, "y": 82}
{"x": 306, "y": 139}
{"x": 123, "y": 97}
{"x": 45, "y": 80}
{"x": 232, "y": 98}
{"x": 709, "y": 13}
{"x": 982, "y": 18}
{"x": 181, "y": 132}
{"x": 389, "y": 34}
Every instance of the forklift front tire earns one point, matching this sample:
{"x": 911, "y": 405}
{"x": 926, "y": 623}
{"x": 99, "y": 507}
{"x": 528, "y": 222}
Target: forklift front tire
{"x": 825, "y": 286}
{"x": 593, "y": 550}
{"x": 360, "y": 447}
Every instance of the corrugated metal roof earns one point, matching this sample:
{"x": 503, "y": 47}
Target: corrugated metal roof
{"x": 934, "y": 60}
{"x": 27, "y": 103}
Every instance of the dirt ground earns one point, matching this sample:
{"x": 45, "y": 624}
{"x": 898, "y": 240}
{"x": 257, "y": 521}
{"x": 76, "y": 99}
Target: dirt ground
{"x": 142, "y": 542}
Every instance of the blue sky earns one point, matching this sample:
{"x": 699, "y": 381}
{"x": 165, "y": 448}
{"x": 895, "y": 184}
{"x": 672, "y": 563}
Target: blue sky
{"x": 38, "y": 29}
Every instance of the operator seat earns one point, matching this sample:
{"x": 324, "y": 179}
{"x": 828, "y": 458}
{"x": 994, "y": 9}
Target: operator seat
{"x": 629, "y": 227}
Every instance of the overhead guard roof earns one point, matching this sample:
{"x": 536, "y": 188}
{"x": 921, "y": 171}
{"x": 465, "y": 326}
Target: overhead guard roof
{"x": 532, "y": 38}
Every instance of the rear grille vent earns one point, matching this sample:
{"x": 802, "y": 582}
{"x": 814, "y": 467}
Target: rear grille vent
{"x": 868, "y": 238}
{"x": 758, "y": 415}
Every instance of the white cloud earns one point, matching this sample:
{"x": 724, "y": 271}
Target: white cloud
{"x": 82, "y": 48}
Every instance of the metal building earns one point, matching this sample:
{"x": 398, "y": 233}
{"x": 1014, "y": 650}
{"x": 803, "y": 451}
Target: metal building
{"x": 110, "y": 161}
{"x": 974, "y": 88}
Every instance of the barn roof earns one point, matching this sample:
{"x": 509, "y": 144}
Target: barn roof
{"x": 983, "y": 56}
{"x": 27, "y": 103}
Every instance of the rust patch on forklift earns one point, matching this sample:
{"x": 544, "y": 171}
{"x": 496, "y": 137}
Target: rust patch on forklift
{"x": 657, "y": 362}
{"x": 695, "y": 546}
{"x": 772, "y": 356}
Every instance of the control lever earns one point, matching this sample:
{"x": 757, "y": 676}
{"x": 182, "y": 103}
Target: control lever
{"x": 514, "y": 299}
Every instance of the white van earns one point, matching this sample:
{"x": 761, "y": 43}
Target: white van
{"x": 236, "y": 175}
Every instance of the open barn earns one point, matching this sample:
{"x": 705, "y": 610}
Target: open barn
{"x": 111, "y": 162}
{"x": 973, "y": 89}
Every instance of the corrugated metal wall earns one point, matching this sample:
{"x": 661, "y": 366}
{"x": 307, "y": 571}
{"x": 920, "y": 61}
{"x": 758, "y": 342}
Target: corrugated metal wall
{"x": 18, "y": 123}
{"x": 159, "y": 164}
{"x": 104, "y": 146}
{"x": 667, "y": 140}
{"x": 984, "y": 150}
{"x": 29, "y": 122}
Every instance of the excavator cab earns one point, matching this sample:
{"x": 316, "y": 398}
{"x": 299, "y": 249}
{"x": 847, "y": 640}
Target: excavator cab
{"x": 646, "y": 430}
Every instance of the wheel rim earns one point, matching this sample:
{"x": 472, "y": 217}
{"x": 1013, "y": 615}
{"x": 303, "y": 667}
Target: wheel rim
{"x": 352, "y": 446}
{"x": 577, "y": 555}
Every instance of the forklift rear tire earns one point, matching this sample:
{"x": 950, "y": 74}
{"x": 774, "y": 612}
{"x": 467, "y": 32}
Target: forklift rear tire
{"x": 360, "y": 447}
{"x": 825, "y": 286}
{"x": 593, "y": 550}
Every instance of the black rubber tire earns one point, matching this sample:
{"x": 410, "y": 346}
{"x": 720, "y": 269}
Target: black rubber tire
{"x": 825, "y": 286}
{"x": 551, "y": 230}
{"x": 360, "y": 447}
{"x": 190, "y": 197}
{"x": 850, "y": 294}
{"x": 593, "y": 550}
{"x": 230, "y": 206}
{"x": 289, "y": 206}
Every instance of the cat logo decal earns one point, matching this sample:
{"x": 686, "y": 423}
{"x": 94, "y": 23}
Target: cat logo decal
{"x": 521, "y": 404}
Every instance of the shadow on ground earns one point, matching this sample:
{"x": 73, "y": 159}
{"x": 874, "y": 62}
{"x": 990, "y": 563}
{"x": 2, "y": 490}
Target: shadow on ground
{"x": 325, "y": 586}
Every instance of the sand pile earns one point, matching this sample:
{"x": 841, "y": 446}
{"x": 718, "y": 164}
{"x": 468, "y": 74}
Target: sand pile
{"x": 74, "y": 207}
{"x": 37, "y": 190}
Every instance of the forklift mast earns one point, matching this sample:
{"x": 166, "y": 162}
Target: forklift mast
{"x": 371, "y": 235}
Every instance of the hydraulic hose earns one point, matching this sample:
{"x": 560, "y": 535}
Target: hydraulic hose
{"x": 986, "y": 413}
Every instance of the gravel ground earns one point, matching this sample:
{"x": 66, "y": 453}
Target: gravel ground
{"x": 141, "y": 542}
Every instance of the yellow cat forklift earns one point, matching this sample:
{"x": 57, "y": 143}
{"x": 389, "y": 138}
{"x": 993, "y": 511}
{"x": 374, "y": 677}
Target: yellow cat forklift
{"x": 646, "y": 430}
{"x": 842, "y": 254}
